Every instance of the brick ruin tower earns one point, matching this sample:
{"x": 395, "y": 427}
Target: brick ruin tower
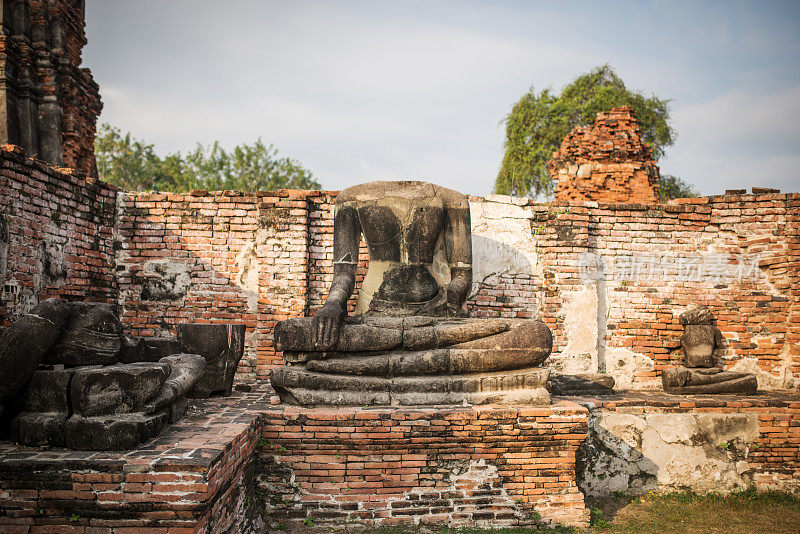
{"x": 606, "y": 162}
{"x": 49, "y": 105}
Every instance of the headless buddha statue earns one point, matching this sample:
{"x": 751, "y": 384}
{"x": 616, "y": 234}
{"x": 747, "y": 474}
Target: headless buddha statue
{"x": 410, "y": 341}
{"x": 701, "y": 373}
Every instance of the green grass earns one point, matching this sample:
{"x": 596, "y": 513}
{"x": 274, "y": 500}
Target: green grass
{"x": 745, "y": 512}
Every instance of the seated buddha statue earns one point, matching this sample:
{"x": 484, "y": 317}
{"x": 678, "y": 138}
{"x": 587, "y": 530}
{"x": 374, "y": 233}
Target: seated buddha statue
{"x": 701, "y": 373}
{"x": 409, "y": 341}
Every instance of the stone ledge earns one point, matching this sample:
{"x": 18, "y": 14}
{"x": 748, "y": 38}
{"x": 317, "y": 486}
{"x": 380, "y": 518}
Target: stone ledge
{"x": 659, "y": 399}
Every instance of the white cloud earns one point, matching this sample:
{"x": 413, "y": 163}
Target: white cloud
{"x": 737, "y": 140}
{"x": 361, "y": 90}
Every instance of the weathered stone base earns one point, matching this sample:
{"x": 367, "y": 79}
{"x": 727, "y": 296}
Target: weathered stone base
{"x": 296, "y": 385}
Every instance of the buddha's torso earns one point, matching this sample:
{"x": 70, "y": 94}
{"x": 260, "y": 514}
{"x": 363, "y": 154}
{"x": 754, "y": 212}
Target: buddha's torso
{"x": 403, "y": 231}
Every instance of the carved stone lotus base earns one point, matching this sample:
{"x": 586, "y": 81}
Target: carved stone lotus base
{"x": 296, "y": 385}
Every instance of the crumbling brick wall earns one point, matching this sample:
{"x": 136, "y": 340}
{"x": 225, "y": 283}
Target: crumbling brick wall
{"x": 55, "y": 235}
{"x": 606, "y": 162}
{"x": 49, "y": 103}
{"x": 486, "y": 466}
{"x": 528, "y": 263}
{"x": 259, "y": 258}
{"x": 737, "y": 254}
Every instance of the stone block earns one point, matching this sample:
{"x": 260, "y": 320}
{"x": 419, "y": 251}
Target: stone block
{"x": 222, "y": 345}
{"x": 92, "y": 337}
{"x": 47, "y": 391}
{"x": 35, "y": 429}
{"x": 697, "y": 315}
{"x": 24, "y": 345}
{"x": 163, "y": 346}
{"x": 116, "y": 432}
{"x": 582, "y": 384}
{"x": 699, "y": 341}
{"x": 116, "y": 389}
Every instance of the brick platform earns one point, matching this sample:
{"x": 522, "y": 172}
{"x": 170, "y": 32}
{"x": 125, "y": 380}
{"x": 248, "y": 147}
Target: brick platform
{"x": 188, "y": 479}
{"x": 486, "y": 466}
{"x": 241, "y": 461}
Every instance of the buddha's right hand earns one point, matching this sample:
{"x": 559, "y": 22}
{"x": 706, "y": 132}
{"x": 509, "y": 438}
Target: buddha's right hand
{"x": 325, "y": 326}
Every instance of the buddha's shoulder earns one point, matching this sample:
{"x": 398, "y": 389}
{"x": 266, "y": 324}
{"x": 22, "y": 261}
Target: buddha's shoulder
{"x": 375, "y": 191}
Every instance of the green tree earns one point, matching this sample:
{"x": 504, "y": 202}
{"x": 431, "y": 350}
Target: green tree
{"x": 129, "y": 163}
{"x": 255, "y": 167}
{"x": 538, "y": 123}
{"x": 133, "y": 165}
{"x": 670, "y": 187}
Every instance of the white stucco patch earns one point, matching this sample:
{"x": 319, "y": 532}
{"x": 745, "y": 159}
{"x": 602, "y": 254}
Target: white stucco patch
{"x": 579, "y": 314}
{"x": 636, "y": 453}
{"x": 247, "y": 275}
{"x": 501, "y": 243}
{"x": 624, "y": 364}
{"x": 782, "y": 378}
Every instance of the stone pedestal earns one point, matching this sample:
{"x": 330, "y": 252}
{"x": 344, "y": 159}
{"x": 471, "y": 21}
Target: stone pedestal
{"x": 415, "y": 361}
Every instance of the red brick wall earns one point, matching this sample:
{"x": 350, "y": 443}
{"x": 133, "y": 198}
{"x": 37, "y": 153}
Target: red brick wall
{"x": 606, "y": 162}
{"x": 55, "y": 236}
{"x": 491, "y": 466}
{"x": 758, "y": 318}
{"x": 214, "y": 241}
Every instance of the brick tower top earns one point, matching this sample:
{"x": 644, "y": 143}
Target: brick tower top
{"x": 49, "y": 105}
{"x": 606, "y": 162}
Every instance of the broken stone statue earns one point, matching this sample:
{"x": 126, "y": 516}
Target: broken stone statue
{"x": 409, "y": 342}
{"x": 62, "y": 369}
{"x": 701, "y": 373}
{"x": 581, "y": 384}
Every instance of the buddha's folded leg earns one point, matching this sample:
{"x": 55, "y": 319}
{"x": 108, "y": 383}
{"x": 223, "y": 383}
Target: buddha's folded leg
{"x": 413, "y": 333}
{"x": 452, "y": 361}
{"x": 747, "y": 385}
{"x": 682, "y": 380}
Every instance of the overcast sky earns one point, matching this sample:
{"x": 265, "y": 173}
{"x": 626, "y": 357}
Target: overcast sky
{"x": 358, "y": 91}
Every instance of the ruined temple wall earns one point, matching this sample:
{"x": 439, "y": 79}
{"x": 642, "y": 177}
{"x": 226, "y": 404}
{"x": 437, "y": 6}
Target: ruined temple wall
{"x": 660, "y": 260}
{"x": 221, "y": 257}
{"x": 527, "y": 261}
{"x": 258, "y": 258}
{"x": 55, "y": 236}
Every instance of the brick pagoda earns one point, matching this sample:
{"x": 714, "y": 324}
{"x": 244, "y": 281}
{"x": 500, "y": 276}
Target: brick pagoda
{"x": 49, "y": 105}
{"x": 606, "y": 162}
